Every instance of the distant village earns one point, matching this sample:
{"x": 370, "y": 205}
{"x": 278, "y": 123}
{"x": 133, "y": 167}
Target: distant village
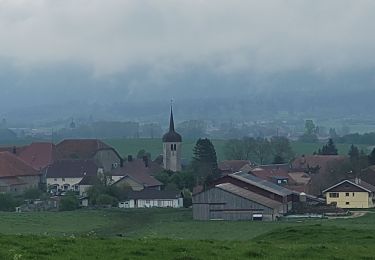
{"x": 90, "y": 173}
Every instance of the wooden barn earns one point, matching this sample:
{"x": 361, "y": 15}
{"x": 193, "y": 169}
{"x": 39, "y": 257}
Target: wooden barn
{"x": 261, "y": 187}
{"x": 227, "y": 201}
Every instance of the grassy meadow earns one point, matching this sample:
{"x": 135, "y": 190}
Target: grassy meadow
{"x": 172, "y": 234}
{"x": 154, "y": 146}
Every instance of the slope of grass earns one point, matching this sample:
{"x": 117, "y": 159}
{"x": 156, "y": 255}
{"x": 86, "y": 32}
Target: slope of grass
{"x": 301, "y": 242}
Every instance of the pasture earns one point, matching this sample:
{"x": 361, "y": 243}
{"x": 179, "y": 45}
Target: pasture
{"x": 154, "y": 146}
{"x": 172, "y": 234}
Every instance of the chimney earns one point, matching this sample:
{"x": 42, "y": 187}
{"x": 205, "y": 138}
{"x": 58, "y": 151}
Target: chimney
{"x": 130, "y": 158}
{"x": 357, "y": 180}
{"x": 145, "y": 160}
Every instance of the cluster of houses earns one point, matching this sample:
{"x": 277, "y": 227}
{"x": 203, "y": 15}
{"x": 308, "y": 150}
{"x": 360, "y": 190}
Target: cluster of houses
{"x": 267, "y": 192}
{"x": 78, "y": 164}
{"x": 243, "y": 192}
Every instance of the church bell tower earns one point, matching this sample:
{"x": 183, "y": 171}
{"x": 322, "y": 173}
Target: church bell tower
{"x": 172, "y": 147}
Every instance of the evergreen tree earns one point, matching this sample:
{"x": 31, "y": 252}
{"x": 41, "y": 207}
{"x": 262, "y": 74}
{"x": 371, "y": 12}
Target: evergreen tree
{"x": 353, "y": 152}
{"x": 371, "y": 157}
{"x": 329, "y": 148}
{"x": 205, "y": 161}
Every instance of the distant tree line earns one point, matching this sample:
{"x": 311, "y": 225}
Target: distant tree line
{"x": 260, "y": 150}
{"x": 366, "y": 138}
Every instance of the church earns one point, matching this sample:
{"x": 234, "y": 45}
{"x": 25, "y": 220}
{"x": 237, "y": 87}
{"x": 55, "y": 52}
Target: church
{"x": 172, "y": 145}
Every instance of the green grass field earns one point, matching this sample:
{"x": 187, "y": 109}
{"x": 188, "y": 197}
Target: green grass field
{"x": 172, "y": 234}
{"x": 154, "y": 146}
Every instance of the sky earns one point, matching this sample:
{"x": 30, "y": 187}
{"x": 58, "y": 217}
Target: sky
{"x": 56, "y": 51}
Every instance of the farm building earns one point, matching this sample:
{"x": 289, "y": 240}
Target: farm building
{"x": 149, "y": 198}
{"x": 65, "y": 175}
{"x": 16, "y": 176}
{"x": 227, "y": 201}
{"x": 261, "y": 187}
{"x": 351, "y": 194}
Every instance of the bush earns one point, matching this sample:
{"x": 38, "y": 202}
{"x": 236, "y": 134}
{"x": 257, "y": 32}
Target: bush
{"x": 104, "y": 199}
{"x": 32, "y": 194}
{"x": 68, "y": 203}
{"x": 7, "y": 202}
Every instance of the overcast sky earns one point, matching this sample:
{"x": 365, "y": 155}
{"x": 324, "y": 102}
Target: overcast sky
{"x": 53, "y": 47}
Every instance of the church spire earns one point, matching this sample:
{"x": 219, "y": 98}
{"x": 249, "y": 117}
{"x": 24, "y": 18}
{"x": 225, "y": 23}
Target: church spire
{"x": 171, "y": 121}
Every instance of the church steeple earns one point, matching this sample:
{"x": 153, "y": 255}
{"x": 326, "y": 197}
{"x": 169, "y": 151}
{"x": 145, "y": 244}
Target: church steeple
{"x": 172, "y": 135}
{"x": 172, "y": 142}
{"x": 171, "y": 121}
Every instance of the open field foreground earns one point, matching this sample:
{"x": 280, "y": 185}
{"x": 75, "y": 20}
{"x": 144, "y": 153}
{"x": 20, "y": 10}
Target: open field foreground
{"x": 172, "y": 234}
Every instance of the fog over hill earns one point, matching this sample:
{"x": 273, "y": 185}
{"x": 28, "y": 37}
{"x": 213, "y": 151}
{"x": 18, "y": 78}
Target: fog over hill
{"x": 125, "y": 60}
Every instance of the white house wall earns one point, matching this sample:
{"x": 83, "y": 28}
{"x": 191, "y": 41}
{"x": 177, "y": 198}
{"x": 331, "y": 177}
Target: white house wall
{"x": 64, "y": 181}
{"x": 156, "y": 203}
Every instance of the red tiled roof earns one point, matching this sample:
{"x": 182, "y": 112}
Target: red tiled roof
{"x": 79, "y": 148}
{"x": 39, "y": 155}
{"x": 323, "y": 161}
{"x": 232, "y": 166}
{"x": 12, "y": 166}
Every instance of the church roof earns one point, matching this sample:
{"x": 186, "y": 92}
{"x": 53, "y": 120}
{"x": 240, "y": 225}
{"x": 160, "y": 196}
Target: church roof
{"x": 172, "y": 135}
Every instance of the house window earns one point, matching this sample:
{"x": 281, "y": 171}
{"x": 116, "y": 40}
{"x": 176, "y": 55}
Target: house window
{"x": 147, "y": 202}
{"x": 347, "y": 194}
{"x": 333, "y": 194}
{"x": 347, "y": 203}
{"x": 353, "y": 194}
{"x": 63, "y": 179}
{"x": 55, "y": 179}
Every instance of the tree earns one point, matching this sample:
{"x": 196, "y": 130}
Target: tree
{"x": 204, "y": 161}
{"x": 353, "y": 153}
{"x": 7, "y": 202}
{"x": 332, "y": 133}
{"x": 105, "y": 199}
{"x": 32, "y": 194}
{"x": 310, "y": 135}
{"x": 371, "y": 157}
{"x": 234, "y": 150}
{"x": 281, "y": 149}
{"x": 262, "y": 150}
{"x": 310, "y": 127}
{"x": 329, "y": 148}
{"x": 68, "y": 203}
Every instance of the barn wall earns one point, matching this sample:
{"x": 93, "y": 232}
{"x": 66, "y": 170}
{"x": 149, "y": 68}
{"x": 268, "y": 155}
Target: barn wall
{"x": 219, "y": 204}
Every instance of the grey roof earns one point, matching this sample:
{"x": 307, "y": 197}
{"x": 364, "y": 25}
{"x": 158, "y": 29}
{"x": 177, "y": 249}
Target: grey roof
{"x": 154, "y": 194}
{"x": 89, "y": 180}
{"x": 261, "y": 183}
{"x": 362, "y": 185}
{"x": 249, "y": 195}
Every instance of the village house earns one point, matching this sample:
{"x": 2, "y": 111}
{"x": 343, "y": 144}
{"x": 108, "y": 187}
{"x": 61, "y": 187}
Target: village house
{"x": 231, "y": 166}
{"x": 227, "y": 201}
{"x": 39, "y": 155}
{"x": 136, "y": 178}
{"x": 16, "y": 176}
{"x": 351, "y": 194}
{"x": 150, "y": 198}
{"x": 102, "y": 154}
{"x": 65, "y": 175}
